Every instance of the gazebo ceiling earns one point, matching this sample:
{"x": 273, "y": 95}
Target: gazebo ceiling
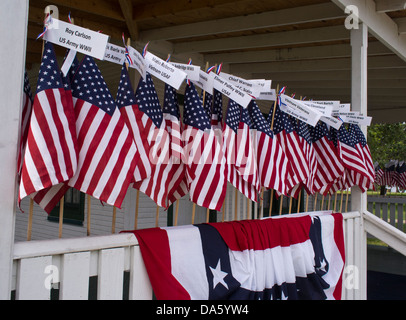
{"x": 301, "y": 44}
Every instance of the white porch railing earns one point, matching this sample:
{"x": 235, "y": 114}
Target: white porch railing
{"x": 68, "y": 264}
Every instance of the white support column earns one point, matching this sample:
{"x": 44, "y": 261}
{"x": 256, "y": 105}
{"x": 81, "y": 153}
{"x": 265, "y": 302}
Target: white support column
{"x": 359, "y": 44}
{"x": 14, "y": 19}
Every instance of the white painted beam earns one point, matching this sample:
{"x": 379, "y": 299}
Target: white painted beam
{"x": 379, "y": 62}
{"x": 304, "y": 14}
{"x": 313, "y": 35}
{"x": 14, "y": 19}
{"x": 380, "y": 25}
{"x": 390, "y": 5}
{"x": 300, "y": 53}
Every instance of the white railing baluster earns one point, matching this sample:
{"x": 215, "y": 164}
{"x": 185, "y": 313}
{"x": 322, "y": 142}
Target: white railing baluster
{"x": 111, "y": 274}
{"x": 75, "y": 276}
{"x": 33, "y": 282}
{"x": 140, "y": 286}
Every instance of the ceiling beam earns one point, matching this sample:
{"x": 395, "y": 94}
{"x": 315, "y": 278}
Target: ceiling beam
{"x": 378, "y": 62}
{"x": 299, "y": 53}
{"x": 103, "y": 8}
{"x": 149, "y": 10}
{"x": 313, "y": 35}
{"x": 389, "y": 5}
{"x": 379, "y": 25}
{"x": 127, "y": 10}
{"x": 270, "y": 19}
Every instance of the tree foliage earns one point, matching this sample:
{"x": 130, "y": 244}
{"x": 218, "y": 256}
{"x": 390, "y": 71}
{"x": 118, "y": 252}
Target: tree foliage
{"x": 387, "y": 142}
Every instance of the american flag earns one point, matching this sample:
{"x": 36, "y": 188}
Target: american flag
{"x": 48, "y": 198}
{"x": 389, "y": 172}
{"x": 293, "y": 148}
{"x": 305, "y": 138}
{"x": 238, "y": 147}
{"x": 135, "y": 120}
{"x": 107, "y": 152}
{"x": 217, "y": 112}
{"x": 352, "y": 159}
{"x": 363, "y": 149}
{"x": 177, "y": 176}
{"x": 156, "y": 186}
{"x": 205, "y": 165}
{"x": 329, "y": 164}
{"x": 400, "y": 175}
{"x": 51, "y": 155}
{"x": 25, "y": 120}
{"x": 378, "y": 173}
{"x": 273, "y": 165}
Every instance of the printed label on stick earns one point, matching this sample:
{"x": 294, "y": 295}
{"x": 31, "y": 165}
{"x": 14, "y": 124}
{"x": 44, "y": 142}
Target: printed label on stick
{"x": 77, "y": 38}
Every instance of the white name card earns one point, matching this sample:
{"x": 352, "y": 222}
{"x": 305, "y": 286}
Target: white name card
{"x": 77, "y": 38}
{"x": 299, "y": 110}
{"x": 231, "y": 91}
{"x": 269, "y": 95}
{"x": 115, "y": 54}
{"x": 333, "y": 122}
{"x": 139, "y": 62}
{"x": 191, "y": 70}
{"x": 164, "y": 71}
{"x": 205, "y": 81}
{"x": 325, "y": 109}
{"x": 246, "y": 86}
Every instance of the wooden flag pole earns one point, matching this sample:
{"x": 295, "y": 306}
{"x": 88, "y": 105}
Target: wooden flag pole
{"x": 176, "y": 213}
{"x": 290, "y": 204}
{"x": 307, "y": 202}
{"x": 346, "y": 201}
{"x": 193, "y": 213}
{"x": 315, "y": 201}
{"x": 298, "y": 202}
{"x": 322, "y": 203}
{"x": 89, "y": 202}
{"x": 335, "y": 202}
{"x": 281, "y": 205}
{"x": 29, "y": 229}
{"x": 61, "y": 209}
{"x": 329, "y": 199}
{"x": 341, "y": 203}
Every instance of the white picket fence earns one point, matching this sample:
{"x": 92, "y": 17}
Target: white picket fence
{"x": 64, "y": 267}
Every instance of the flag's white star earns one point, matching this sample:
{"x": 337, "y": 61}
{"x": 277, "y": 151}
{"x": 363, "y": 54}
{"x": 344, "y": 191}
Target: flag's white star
{"x": 218, "y": 276}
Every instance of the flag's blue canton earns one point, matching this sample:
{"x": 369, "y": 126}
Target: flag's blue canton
{"x": 401, "y": 168}
{"x": 208, "y": 102}
{"x": 319, "y": 131}
{"x": 218, "y": 105}
{"x": 282, "y": 122}
{"x": 223, "y": 285}
{"x": 89, "y": 85}
{"x": 245, "y": 117}
{"x": 27, "y": 86}
{"x": 303, "y": 131}
{"x": 147, "y": 100}
{"x": 125, "y": 94}
{"x": 233, "y": 115}
{"x": 345, "y": 137}
{"x": 49, "y": 74}
{"x": 258, "y": 121}
{"x": 334, "y": 136}
{"x": 357, "y": 134}
{"x": 194, "y": 114}
{"x": 171, "y": 105}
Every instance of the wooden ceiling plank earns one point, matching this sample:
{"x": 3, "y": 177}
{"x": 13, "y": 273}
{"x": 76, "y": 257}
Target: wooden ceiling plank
{"x": 383, "y": 6}
{"x": 313, "y": 35}
{"x": 302, "y": 53}
{"x": 127, "y": 10}
{"x": 102, "y": 8}
{"x": 311, "y": 13}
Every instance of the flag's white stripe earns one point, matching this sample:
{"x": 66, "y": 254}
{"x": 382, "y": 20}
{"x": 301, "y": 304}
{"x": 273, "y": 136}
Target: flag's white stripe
{"x": 122, "y": 176}
{"x": 43, "y": 148}
{"x": 86, "y": 144}
{"x": 194, "y": 280}
{"x": 112, "y": 163}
